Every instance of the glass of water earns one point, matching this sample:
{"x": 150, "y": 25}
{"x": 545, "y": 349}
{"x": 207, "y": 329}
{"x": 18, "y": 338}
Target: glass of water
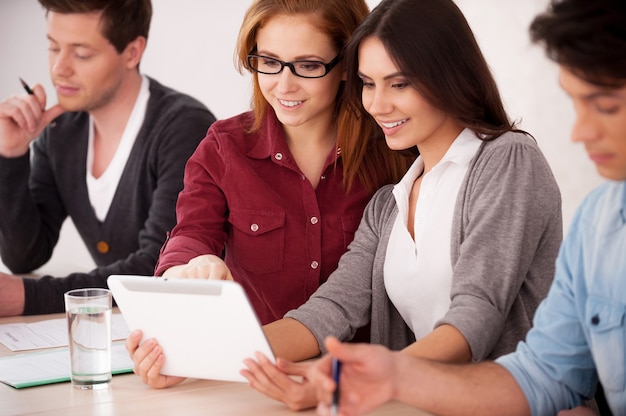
{"x": 89, "y": 330}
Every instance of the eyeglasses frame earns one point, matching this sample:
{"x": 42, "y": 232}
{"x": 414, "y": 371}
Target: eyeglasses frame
{"x": 327, "y": 66}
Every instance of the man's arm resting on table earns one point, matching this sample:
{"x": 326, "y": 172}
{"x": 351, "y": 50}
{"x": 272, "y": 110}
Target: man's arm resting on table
{"x": 11, "y": 295}
{"x": 440, "y": 388}
{"x": 372, "y": 375}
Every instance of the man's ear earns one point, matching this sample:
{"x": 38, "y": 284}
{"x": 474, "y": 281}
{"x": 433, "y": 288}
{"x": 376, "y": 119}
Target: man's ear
{"x": 134, "y": 52}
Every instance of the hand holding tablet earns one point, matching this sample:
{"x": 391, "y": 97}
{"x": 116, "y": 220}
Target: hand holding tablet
{"x": 206, "y": 328}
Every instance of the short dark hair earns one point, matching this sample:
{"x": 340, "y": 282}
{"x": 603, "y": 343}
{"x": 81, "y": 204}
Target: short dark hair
{"x": 588, "y": 37}
{"x": 432, "y": 44}
{"x": 122, "y": 20}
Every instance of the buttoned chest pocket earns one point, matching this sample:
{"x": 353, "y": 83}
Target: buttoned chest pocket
{"x": 605, "y": 320}
{"x": 258, "y": 240}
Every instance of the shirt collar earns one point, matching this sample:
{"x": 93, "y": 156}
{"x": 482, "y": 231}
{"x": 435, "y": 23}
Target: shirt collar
{"x": 461, "y": 151}
{"x": 270, "y": 140}
{"x": 133, "y": 124}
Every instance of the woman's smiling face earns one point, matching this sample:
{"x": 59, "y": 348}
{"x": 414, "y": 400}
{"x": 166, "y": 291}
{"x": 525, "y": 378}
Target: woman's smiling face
{"x": 298, "y": 101}
{"x": 404, "y": 115}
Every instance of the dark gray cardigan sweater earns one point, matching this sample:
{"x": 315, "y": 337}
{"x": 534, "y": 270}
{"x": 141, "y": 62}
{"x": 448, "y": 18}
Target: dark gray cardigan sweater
{"x": 37, "y": 196}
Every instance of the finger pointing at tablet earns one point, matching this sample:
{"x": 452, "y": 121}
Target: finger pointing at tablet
{"x": 206, "y": 266}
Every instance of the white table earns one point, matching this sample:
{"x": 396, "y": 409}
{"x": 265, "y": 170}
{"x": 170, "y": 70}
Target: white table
{"x": 128, "y": 395}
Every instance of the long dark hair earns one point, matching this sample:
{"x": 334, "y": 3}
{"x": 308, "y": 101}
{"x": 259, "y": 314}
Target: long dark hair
{"x": 432, "y": 44}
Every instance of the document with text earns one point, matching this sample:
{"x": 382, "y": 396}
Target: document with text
{"x": 50, "y": 333}
{"x": 52, "y": 366}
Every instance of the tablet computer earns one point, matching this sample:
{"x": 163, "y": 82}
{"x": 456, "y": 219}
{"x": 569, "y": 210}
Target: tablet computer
{"x": 206, "y": 328}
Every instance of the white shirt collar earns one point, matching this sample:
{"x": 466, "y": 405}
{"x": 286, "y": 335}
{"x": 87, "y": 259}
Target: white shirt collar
{"x": 461, "y": 152}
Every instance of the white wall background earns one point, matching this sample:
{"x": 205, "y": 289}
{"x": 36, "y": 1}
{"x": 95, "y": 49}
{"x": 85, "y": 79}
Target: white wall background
{"x": 191, "y": 48}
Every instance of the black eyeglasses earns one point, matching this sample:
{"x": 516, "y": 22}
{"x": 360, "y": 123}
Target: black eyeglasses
{"x": 304, "y": 69}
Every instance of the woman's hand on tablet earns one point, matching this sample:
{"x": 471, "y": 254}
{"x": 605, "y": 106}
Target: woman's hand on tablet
{"x": 206, "y": 266}
{"x": 148, "y": 359}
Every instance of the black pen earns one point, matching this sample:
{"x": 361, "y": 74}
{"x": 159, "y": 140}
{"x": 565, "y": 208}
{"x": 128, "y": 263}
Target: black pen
{"x": 26, "y": 87}
{"x": 334, "y": 407}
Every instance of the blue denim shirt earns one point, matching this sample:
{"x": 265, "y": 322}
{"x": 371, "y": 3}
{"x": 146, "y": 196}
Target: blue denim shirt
{"x": 579, "y": 331}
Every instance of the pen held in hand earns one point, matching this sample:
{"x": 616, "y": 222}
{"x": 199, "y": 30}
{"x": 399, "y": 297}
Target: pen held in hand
{"x": 29, "y": 91}
{"x": 334, "y": 408}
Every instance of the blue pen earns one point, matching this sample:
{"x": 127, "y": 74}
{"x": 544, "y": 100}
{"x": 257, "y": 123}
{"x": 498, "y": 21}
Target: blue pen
{"x": 334, "y": 408}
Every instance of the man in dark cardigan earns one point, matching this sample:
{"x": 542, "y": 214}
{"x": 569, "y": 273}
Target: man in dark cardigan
{"x": 110, "y": 155}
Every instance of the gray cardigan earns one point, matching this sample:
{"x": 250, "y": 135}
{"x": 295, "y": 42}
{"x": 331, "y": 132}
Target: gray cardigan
{"x": 506, "y": 232}
{"x": 37, "y": 195}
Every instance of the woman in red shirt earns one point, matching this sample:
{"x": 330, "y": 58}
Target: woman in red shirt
{"x": 270, "y": 191}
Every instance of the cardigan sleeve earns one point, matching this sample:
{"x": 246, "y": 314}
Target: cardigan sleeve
{"x": 509, "y": 230}
{"x": 31, "y": 211}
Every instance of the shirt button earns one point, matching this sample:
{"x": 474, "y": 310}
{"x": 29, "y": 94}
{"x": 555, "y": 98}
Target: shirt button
{"x": 323, "y": 177}
{"x": 314, "y": 220}
{"x": 278, "y": 156}
{"x": 254, "y": 227}
{"x": 595, "y": 320}
{"x": 103, "y": 247}
{"x": 314, "y": 264}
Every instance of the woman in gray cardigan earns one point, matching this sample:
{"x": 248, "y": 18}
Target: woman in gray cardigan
{"x": 451, "y": 262}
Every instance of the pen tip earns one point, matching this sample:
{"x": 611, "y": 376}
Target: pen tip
{"x": 26, "y": 87}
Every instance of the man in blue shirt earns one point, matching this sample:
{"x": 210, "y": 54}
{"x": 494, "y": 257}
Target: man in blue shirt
{"x": 579, "y": 333}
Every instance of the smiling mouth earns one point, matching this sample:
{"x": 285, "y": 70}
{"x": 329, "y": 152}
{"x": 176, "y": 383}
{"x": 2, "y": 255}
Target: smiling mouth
{"x": 290, "y": 103}
{"x": 393, "y": 124}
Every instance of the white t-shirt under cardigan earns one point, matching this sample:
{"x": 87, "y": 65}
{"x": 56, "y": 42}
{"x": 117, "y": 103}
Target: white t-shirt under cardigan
{"x": 418, "y": 270}
{"x": 102, "y": 189}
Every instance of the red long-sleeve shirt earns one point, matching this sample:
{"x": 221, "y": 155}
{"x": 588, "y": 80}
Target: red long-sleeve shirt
{"x": 245, "y": 193}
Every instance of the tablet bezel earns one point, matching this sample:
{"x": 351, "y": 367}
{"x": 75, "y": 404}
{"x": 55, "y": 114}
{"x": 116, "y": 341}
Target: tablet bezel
{"x": 206, "y": 328}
